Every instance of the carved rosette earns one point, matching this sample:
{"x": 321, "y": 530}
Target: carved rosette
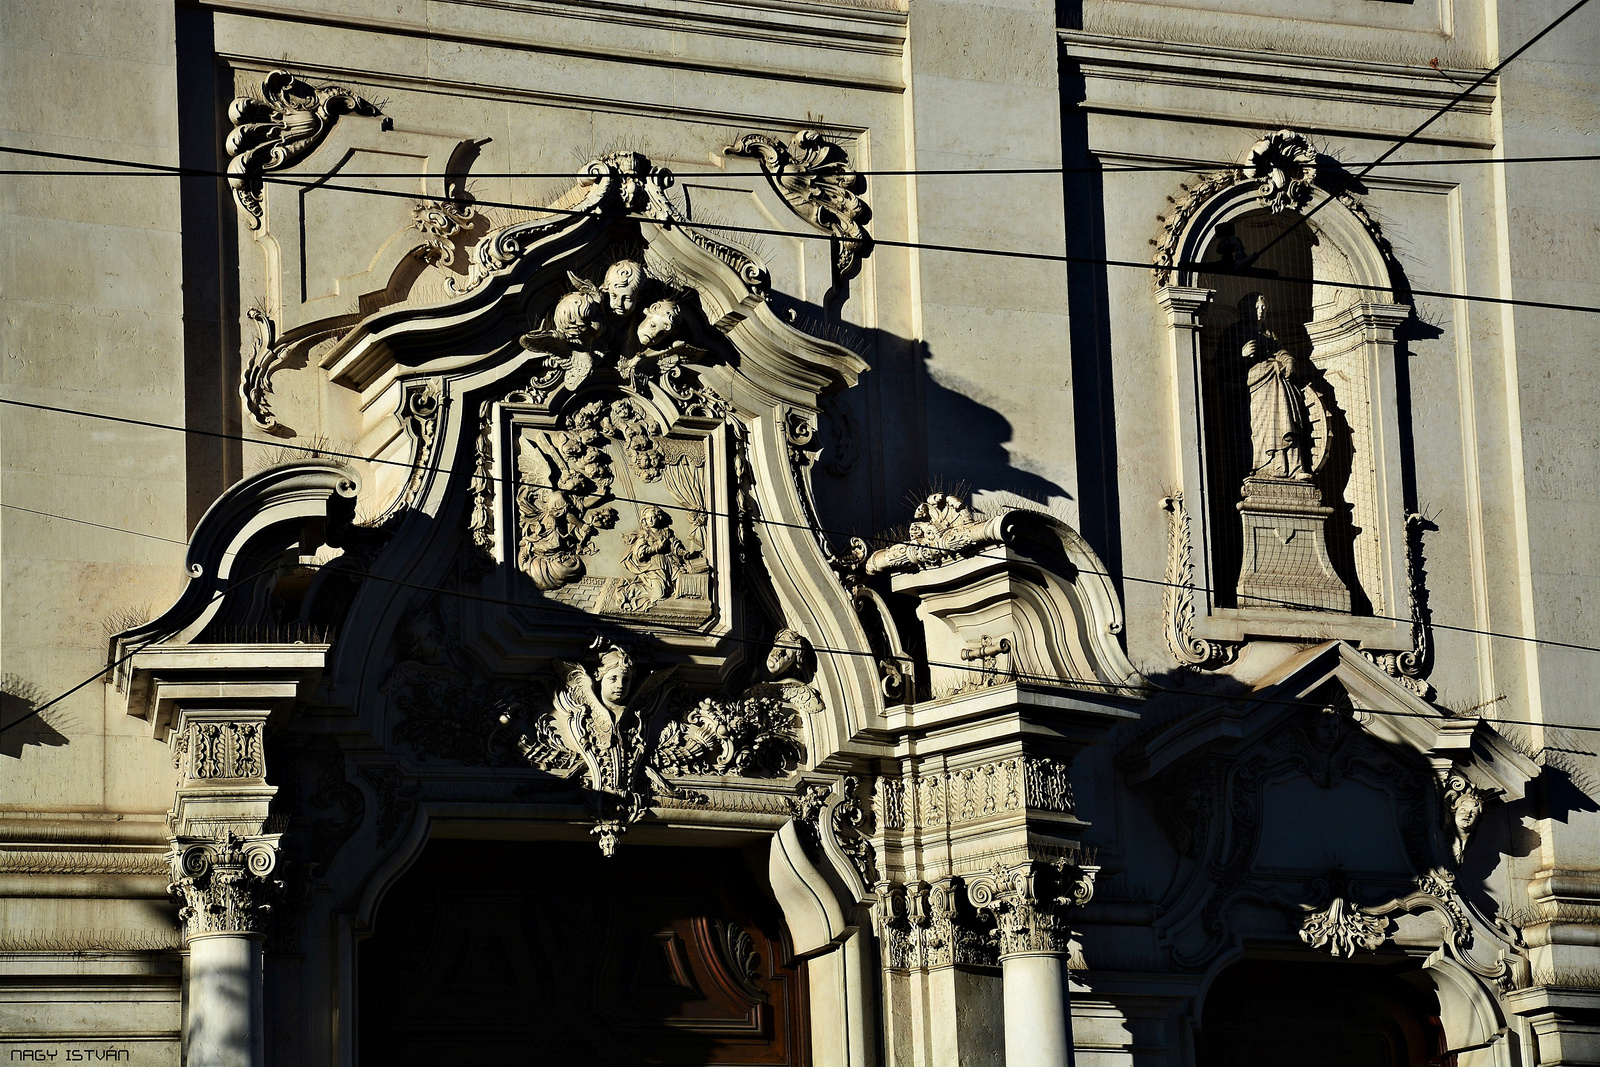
{"x": 223, "y": 885}
{"x": 1028, "y": 903}
{"x": 816, "y": 180}
{"x": 278, "y": 128}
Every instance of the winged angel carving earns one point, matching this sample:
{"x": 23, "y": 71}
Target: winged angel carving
{"x": 623, "y": 739}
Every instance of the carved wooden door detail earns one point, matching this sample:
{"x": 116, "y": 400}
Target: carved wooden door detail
{"x": 550, "y": 954}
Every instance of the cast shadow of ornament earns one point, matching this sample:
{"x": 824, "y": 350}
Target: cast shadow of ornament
{"x": 20, "y": 725}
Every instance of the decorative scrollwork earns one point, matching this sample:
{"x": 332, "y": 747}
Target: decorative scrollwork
{"x": 1178, "y": 597}
{"x": 280, "y": 127}
{"x": 1284, "y": 164}
{"x": 222, "y": 885}
{"x": 814, "y": 177}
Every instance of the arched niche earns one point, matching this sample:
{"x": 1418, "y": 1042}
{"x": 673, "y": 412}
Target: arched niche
{"x": 1332, "y": 303}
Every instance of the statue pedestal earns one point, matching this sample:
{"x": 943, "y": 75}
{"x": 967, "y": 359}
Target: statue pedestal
{"x": 1285, "y": 562}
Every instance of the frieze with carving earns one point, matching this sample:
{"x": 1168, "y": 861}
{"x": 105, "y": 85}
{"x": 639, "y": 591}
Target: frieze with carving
{"x": 967, "y": 794}
{"x": 923, "y": 926}
{"x": 280, "y": 126}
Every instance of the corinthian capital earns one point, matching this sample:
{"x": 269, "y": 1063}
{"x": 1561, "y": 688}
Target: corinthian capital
{"x": 223, "y": 885}
{"x": 1028, "y": 903}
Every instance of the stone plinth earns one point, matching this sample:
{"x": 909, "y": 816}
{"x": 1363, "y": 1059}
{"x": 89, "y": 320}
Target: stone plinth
{"x": 1285, "y": 562}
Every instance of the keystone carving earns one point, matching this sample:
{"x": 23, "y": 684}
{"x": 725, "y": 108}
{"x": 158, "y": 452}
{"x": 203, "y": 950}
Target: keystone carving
{"x": 967, "y": 794}
{"x": 222, "y": 885}
{"x": 279, "y": 128}
{"x": 943, "y": 528}
{"x": 1028, "y": 903}
{"x": 622, "y": 739}
{"x": 1342, "y": 927}
{"x": 814, "y": 177}
{"x": 1284, "y": 165}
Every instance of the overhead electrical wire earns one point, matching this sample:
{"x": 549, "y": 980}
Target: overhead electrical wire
{"x": 1429, "y": 121}
{"x": 315, "y": 452}
{"x": 1218, "y": 268}
{"x": 1131, "y": 690}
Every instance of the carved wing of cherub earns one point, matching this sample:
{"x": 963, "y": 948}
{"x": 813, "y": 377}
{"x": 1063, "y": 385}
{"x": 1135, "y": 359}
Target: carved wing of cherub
{"x": 582, "y": 721}
{"x": 552, "y": 356}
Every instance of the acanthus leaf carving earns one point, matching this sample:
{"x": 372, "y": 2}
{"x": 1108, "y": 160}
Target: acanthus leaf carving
{"x": 1411, "y": 668}
{"x": 1179, "y": 597}
{"x": 814, "y": 177}
{"x": 1028, "y": 902}
{"x": 280, "y": 127}
{"x": 222, "y": 885}
{"x": 1342, "y": 926}
{"x": 396, "y": 796}
{"x": 441, "y": 222}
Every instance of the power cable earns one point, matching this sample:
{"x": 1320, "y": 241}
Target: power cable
{"x": 161, "y": 170}
{"x": 313, "y": 452}
{"x": 162, "y": 636}
{"x": 1220, "y": 268}
{"x": 1429, "y": 121}
{"x": 1132, "y": 690}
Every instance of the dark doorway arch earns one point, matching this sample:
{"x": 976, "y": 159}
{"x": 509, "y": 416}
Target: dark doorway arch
{"x": 548, "y": 953}
{"x": 1270, "y": 1013}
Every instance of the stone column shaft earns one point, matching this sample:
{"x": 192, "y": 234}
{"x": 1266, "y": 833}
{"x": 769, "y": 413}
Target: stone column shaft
{"x": 1028, "y": 904}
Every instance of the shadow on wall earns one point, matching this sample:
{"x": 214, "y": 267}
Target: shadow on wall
{"x": 20, "y": 726}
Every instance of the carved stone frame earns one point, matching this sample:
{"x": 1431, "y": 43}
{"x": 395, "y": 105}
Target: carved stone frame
{"x": 1369, "y": 325}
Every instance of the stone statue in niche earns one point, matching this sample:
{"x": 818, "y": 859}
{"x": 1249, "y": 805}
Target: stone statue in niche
{"x": 1285, "y": 563}
{"x": 1280, "y": 426}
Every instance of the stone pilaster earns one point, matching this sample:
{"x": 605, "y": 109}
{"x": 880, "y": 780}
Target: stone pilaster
{"x": 222, "y": 864}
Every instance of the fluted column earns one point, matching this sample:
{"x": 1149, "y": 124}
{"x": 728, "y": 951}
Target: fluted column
{"x": 1027, "y": 903}
{"x": 222, "y": 863}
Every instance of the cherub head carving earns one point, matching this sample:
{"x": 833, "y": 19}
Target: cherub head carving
{"x": 577, "y": 317}
{"x": 659, "y": 323}
{"x": 616, "y": 677}
{"x": 788, "y": 652}
{"x": 623, "y": 280}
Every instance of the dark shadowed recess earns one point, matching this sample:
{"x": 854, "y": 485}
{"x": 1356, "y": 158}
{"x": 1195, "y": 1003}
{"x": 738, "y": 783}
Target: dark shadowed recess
{"x": 548, "y": 953}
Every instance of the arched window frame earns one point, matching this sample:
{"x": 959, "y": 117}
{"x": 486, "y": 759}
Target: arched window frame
{"x": 1201, "y": 632}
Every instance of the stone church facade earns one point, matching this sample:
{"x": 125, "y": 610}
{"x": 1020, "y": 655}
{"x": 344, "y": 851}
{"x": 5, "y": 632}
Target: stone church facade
{"x": 800, "y": 532}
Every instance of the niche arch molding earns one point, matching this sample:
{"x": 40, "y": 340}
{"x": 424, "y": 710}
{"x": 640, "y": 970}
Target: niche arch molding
{"x": 1360, "y": 301}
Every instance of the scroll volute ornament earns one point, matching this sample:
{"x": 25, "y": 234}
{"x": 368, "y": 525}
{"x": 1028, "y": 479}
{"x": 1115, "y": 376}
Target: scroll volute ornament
{"x": 280, "y": 127}
{"x": 224, "y": 885}
{"x": 816, "y": 180}
{"x": 1284, "y": 165}
{"x": 1028, "y": 902}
